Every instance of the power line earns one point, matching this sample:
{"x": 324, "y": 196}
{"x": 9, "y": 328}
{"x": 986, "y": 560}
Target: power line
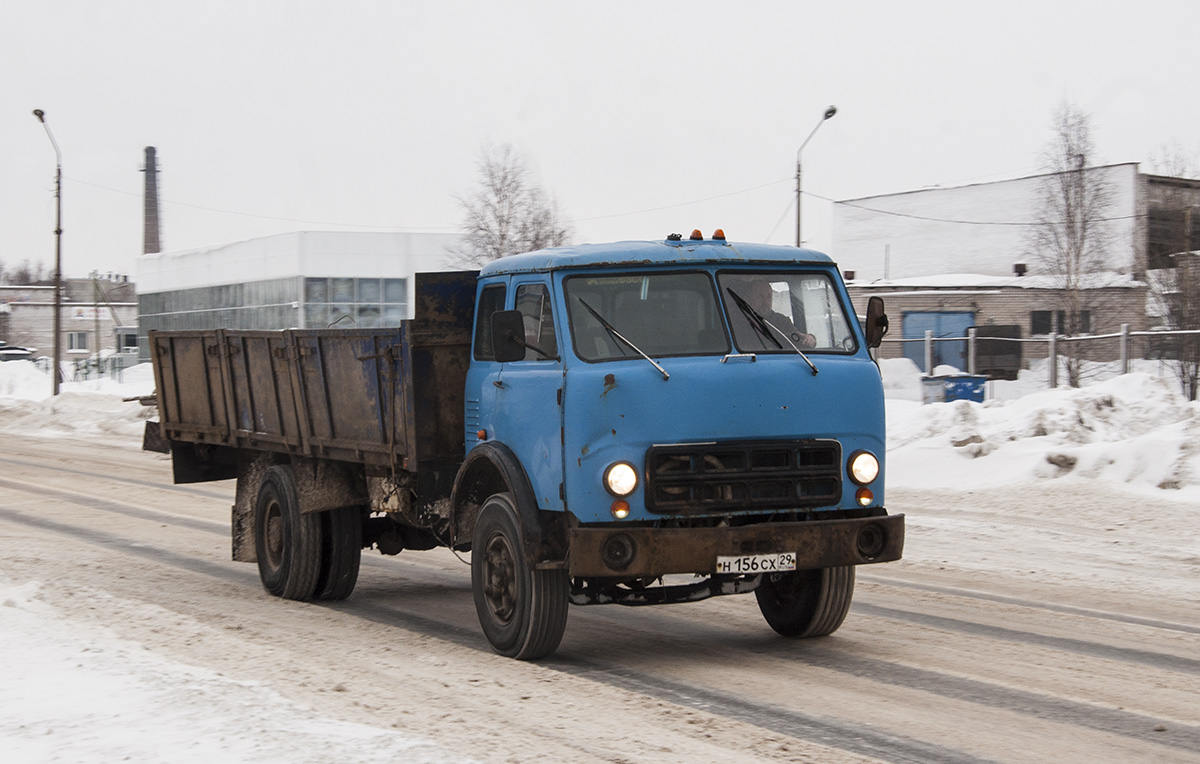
{"x": 1026, "y": 224}
{"x": 427, "y": 229}
{"x": 453, "y": 229}
{"x": 791, "y": 203}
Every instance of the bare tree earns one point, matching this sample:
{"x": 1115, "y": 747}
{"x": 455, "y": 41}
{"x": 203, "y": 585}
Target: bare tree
{"x": 1072, "y": 237}
{"x": 1173, "y": 241}
{"x": 25, "y": 273}
{"x": 508, "y": 213}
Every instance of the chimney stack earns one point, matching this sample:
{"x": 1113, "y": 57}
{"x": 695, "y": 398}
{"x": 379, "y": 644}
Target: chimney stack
{"x": 150, "y": 240}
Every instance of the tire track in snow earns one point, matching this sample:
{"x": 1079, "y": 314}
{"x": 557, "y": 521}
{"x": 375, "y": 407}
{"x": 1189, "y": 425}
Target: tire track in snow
{"x": 158, "y": 484}
{"x": 1031, "y": 604}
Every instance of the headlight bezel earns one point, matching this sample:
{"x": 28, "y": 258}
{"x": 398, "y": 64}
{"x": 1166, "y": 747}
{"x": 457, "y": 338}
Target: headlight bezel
{"x": 863, "y": 463}
{"x": 618, "y": 475}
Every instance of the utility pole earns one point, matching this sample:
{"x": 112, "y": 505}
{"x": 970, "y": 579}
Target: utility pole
{"x": 58, "y": 280}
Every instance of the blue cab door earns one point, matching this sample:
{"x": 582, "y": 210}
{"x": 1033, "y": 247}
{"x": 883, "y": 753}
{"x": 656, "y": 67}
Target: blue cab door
{"x": 526, "y": 395}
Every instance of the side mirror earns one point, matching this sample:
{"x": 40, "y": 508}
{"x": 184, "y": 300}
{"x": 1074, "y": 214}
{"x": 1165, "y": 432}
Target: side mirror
{"x": 877, "y": 322}
{"x": 508, "y": 335}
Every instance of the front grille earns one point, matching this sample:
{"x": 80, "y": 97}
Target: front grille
{"x": 746, "y": 475}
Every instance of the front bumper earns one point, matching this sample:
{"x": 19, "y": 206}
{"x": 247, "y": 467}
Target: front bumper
{"x": 663, "y": 551}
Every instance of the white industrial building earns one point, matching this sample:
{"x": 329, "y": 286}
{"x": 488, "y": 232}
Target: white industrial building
{"x": 982, "y": 228}
{"x": 306, "y": 279}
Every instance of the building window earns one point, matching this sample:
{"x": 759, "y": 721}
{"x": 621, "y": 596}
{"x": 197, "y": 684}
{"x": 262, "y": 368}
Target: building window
{"x": 1039, "y": 322}
{"x": 1170, "y": 231}
{"x": 365, "y": 303}
{"x": 1042, "y": 322}
{"x": 77, "y": 341}
{"x": 127, "y": 341}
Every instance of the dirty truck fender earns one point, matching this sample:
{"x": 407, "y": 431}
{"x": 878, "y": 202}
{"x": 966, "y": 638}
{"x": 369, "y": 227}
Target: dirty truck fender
{"x": 492, "y": 468}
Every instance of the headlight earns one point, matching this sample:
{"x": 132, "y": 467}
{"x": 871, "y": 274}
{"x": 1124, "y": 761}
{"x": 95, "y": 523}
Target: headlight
{"x": 620, "y": 479}
{"x": 863, "y": 467}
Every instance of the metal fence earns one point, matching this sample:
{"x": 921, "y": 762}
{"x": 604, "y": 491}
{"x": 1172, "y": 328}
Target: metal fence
{"x": 83, "y": 369}
{"x": 1093, "y": 358}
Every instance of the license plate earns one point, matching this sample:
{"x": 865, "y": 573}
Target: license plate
{"x": 757, "y": 563}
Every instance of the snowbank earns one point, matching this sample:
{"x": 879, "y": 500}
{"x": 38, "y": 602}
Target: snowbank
{"x": 92, "y": 407}
{"x": 1136, "y": 430}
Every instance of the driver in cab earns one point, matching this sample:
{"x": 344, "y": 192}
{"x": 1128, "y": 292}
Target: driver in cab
{"x": 759, "y": 294}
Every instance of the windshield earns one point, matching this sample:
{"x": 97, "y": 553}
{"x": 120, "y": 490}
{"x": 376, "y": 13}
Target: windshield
{"x": 662, "y": 314}
{"x": 803, "y": 307}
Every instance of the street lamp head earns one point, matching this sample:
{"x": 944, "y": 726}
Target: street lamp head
{"x": 41, "y": 115}
{"x": 830, "y": 112}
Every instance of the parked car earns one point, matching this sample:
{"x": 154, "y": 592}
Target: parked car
{"x": 14, "y": 353}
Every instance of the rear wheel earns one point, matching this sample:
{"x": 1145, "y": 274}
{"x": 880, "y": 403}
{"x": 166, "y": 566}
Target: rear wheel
{"x": 523, "y": 611}
{"x": 806, "y": 603}
{"x": 287, "y": 542}
{"x": 341, "y": 552}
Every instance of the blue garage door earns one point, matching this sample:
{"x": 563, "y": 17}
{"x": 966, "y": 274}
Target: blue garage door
{"x": 942, "y": 324}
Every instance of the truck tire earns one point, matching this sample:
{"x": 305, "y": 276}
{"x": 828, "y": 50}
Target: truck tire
{"x": 523, "y": 611}
{"x": 341, "y": 552}
{"x": 806, "y": 603}
{"x": 287, "y": 542}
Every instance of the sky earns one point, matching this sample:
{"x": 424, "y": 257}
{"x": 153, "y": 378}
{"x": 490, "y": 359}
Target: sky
{"x": 641, "y": 118}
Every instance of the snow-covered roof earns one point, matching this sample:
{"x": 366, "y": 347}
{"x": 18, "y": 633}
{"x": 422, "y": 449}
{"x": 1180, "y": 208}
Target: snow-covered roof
{"x": 301, "y": 253}
{"x": 1106, "y": 280}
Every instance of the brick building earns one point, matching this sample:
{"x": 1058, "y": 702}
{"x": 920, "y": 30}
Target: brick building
{"x": 949, "y": 305}
{"x": 99, "y": 312}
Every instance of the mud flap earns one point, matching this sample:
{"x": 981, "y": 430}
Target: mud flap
{"x": 153, "y": 440}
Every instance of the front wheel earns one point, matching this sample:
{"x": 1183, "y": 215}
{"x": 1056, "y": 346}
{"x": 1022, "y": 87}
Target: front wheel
{"x": 806, "y": 603}
{"x": 523, "y": 611}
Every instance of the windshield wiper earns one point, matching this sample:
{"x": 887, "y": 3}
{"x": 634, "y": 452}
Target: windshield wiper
{"x": 758, "y": 323}
{"x": 609, "y": 328}
{"x": 763, "y": 326}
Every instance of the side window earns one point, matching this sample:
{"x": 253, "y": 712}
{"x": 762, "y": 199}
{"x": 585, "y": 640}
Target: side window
{"x": 533, "y": 300}
{"x": 491, "y": 299}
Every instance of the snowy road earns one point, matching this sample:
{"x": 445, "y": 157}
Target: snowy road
{"x": 1034, "y": 623}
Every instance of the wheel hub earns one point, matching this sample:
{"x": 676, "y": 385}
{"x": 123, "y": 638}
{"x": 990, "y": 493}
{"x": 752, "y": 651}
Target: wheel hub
{"x": 274, "y": 535}
{"x": 499, "y": 587}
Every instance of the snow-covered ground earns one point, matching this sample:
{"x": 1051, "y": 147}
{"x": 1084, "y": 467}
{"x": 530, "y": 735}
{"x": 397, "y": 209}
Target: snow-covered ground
{"x": 72, "y": 692}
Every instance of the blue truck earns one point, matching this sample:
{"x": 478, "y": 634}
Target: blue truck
{"x": 634, "y": 423}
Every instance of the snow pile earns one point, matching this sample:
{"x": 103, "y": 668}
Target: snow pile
{"x": 24, "y": 380}
{"x": 1134, "y": 429}
{"x": 79, "y": 693}
{"x": 91, "y": 407}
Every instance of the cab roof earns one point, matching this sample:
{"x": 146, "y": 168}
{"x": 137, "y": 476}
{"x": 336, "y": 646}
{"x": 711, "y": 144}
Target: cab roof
{"x": 642, "y": 253}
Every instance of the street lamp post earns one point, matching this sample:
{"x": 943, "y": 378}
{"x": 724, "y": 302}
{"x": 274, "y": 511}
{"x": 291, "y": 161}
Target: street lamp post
{"x": 41, "y": 117}
{"x": 828, "y": 113}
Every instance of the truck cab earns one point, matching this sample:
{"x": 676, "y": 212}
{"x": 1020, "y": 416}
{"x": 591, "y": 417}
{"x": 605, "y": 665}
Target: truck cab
{"x": 683, "y": 407}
